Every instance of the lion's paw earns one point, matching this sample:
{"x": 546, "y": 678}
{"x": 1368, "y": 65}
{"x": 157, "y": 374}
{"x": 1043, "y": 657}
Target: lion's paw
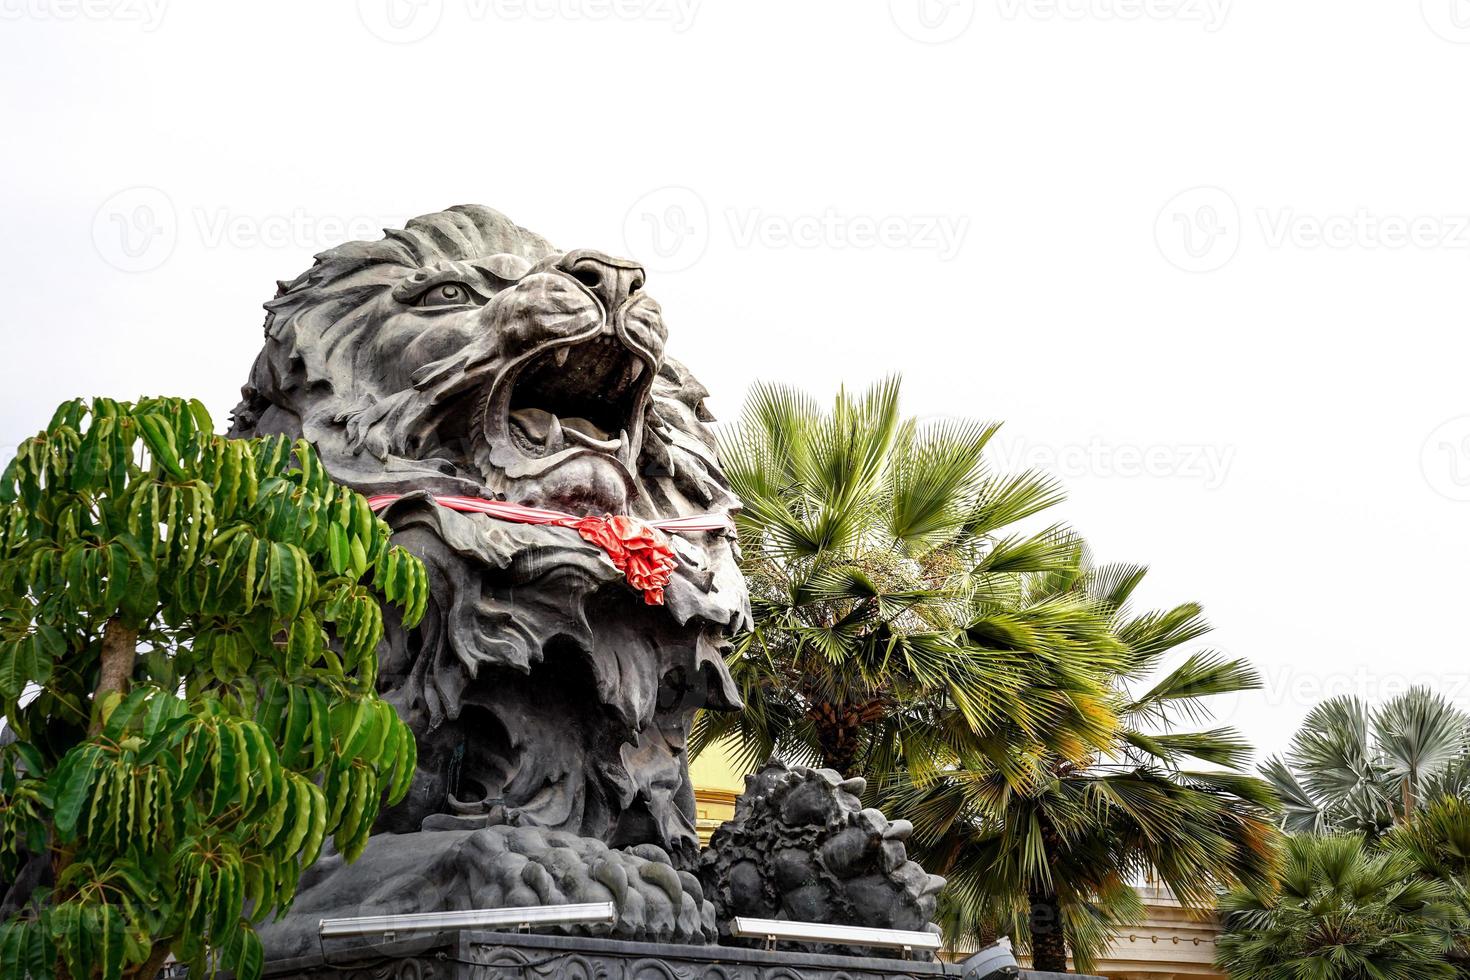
{"x": 519, "y": 866}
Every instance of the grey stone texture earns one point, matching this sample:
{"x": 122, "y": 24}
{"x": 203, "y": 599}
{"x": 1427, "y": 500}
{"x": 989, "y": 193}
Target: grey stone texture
{"x": 511, "y": 956}
{"x": 802, "y": 847}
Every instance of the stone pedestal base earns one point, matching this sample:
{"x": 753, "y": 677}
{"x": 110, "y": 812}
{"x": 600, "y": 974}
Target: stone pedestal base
{"x": 519, "y": 956}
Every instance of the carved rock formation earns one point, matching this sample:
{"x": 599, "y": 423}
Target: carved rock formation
{"x": 802, "y": 847}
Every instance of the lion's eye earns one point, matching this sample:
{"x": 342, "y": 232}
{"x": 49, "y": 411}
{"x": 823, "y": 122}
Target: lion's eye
{"x": 446, "y": 294}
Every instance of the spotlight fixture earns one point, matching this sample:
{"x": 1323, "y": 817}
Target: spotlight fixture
{"x": 994, "y": 962}
{"x": 589, "y": 913}
{"x": 783, "y": 930}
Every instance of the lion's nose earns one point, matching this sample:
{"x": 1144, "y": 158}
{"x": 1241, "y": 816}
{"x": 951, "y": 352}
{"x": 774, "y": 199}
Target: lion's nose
{"x": 610, "y": 280}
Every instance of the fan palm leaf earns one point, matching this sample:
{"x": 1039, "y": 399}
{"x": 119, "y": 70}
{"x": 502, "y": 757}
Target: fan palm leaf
{"x": 1340, "y": 912}
{"x": 882, "y": 572}
{"x": 1351, "y": 768}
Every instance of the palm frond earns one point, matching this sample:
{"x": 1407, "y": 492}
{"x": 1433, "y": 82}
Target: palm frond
{"x": 1004, "y": 500}
{"x": 1204, "y": 674}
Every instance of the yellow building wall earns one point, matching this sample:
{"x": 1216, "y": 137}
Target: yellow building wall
{"x": 1172, "y": 943}
{"x": 717, "y": 782}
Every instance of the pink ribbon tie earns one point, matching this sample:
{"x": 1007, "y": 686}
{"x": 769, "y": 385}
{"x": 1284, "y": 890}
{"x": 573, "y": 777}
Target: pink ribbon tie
{"x": 639, "y": 549}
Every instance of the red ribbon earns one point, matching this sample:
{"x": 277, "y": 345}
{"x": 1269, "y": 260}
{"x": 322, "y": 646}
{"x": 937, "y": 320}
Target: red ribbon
{"x": 639, "y": 549}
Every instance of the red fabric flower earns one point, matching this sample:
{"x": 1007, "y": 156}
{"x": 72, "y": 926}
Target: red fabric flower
{"x": 643, "y": 554}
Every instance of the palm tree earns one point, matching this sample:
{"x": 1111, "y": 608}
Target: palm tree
{"x": 1340, "y": 912}
{"x": 1397, "y": 778}
{"x": 1048, "y": 848}
{"x": 884, "y": 594}
{"x": 1360, "y": 770}
{"x": 1437, "y": 843}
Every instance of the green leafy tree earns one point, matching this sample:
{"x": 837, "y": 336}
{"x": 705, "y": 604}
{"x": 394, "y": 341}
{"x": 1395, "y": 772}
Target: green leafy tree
{"x": 1360, "y": 770}
{"x": 1047, "y": 848}
{"x": 188, "y": 635}
{"x": 884, "y": 588}
{"x": 1342, "y": 911}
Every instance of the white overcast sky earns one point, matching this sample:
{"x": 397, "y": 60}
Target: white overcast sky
{"x": 1208, "y": 259}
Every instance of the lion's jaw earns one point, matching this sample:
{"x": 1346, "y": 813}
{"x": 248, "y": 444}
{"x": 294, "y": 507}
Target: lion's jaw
{"x": 548, "y": 400}
{"x": 561, "y": 422}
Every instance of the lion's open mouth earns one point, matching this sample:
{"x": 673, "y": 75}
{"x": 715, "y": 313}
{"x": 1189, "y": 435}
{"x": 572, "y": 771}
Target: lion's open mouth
{"x": 588, "y": 394}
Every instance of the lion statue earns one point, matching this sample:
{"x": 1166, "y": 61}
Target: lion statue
{"x": 464, "y": 356}
{"x": 511, "y": 411}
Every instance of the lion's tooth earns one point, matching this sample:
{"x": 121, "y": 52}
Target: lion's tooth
{"x": 561, "y": 356}
{"x": 555, "y": 438}
{"x": 637, "y": 371}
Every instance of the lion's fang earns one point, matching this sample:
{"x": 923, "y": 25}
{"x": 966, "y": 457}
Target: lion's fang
{"x": 555, "y": 439}
{"x": 637, "y": 370}
{"x": 560, "y": 356}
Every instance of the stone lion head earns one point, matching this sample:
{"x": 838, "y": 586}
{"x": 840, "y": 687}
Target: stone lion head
{"x": 464, "y": 355}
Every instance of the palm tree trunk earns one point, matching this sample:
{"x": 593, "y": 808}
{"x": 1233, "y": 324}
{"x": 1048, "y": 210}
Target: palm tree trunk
{"x": 839, "y": 728}
{"x": 1048, "y": 935}
{"x": 1048, "y": 940}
